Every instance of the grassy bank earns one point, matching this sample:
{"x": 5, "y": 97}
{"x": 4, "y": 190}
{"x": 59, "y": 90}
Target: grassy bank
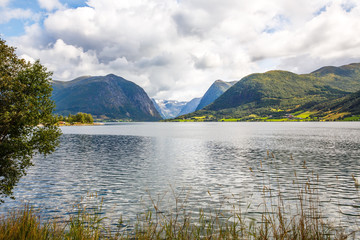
{"x": 275, "y": 223}
{"x": 276, "y": 219}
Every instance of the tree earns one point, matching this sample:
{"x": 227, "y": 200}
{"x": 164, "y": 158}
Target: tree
{"x": 27, "y": 126}
{"x": 77, "y": 118}
{"x": 89, "y": 118}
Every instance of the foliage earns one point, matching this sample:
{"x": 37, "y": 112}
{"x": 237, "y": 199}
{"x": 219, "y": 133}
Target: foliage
{"x": 352, "y": 118}
{"x": 344, "y": 107}
{"x": 26, "y": 120}
{"x": 78, "y": 118}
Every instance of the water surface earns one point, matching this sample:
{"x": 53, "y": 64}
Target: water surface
{"x": 128, "y": 162}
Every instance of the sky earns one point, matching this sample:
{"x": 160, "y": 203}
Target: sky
{"x": 175, "y": 49}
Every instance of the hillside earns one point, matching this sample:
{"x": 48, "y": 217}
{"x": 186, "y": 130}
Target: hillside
{"x": 347, "y": 108}
{"x": 275, "y": 94}
{"x": 214, "y": 91}
{"x": 106, "y": 97}
{"x": 350, "y": 104}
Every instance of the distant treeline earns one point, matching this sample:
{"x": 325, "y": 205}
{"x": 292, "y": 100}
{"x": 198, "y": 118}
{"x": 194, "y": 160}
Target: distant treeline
{"x": 78, "y": 118}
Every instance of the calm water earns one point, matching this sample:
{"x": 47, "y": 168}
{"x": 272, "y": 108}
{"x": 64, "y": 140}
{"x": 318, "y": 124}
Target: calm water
{"x": 126, "y": 163}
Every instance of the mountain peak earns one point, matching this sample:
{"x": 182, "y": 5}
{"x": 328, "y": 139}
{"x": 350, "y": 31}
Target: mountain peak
{"x": 345, "y": 70}
{"x": 261, "y": 93}
{"x": 215, "y": 91}
{"x": 111, "y": 75}
{"x": 107, "y": 96}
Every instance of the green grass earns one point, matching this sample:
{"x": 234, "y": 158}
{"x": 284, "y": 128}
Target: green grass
{"x": 279, "y": 120}
{"x": 306, "y": 114}
{"x": 230, "y": 119}
{"x": 26, "y": 224}
{"x": 276, "y": 110}
{"x": 352, "y": 118}
{"x": 276, "y": 220}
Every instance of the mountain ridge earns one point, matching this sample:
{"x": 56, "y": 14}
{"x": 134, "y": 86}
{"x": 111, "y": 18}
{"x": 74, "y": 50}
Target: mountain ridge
{"x": 214, "y": 91}
{"x": 275, "y": 92}
{"x": 108, "y": 97}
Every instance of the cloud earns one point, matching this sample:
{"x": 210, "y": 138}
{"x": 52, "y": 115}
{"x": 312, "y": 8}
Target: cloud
{"x": 50, "y": 5}
{"x": 327, "y": 37}
{"x": 4, "y": 3}
{"x": 176, "y": 49}
{"x": 208, "y": 60}
{"x": 7, "y": 14}
{"x": 193, "y": 22}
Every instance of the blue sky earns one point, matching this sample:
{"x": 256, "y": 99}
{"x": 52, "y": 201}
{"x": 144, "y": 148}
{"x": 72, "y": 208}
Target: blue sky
{"x": 16, "y": 26}
{"x": 177, "y": 49}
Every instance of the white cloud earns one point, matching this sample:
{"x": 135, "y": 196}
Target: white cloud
{"x": 8, "y": 14}
{"x": 50, "y": 5}
{"x": 27, "y": 58}
{"x": 4, "y": 3}
{"x": 208, "y": 60}
{"x": 176, "y": 49}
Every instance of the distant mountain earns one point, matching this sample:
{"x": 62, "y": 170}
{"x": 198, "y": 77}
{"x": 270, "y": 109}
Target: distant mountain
{"x": 345, "y": 77}
{"x": 215, "y": 91}
{"x": 277, "y": 93}
{"x": 157, "y": 107}
{"x": 108, "y": 96}
{"x": 168, "y": 108}
{"x": 190, "y": 106}
{"x": 171, "y": 108}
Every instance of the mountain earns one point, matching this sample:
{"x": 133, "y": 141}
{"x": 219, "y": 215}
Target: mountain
{"x": 107, "y": 97}
{"x": 350, "y": 104}
{"x": 345, "y": 77}
{"x": 280, "y": 89}
{"x": 157, "y": 107}
{"x": 215, "y": 91}
{"x": 168, "y": 108}
{"x": 171, "y": 108}
{"x": 277, "y": 93}
{"x": 346, "y": 108}
{"x": 190, "y": 106}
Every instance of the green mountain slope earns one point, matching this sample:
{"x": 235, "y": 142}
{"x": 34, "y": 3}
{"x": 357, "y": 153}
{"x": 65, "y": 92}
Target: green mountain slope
{"x": 276, "y": 93}
{"x": 347, "y": 108}
{"x": 349, "y": 104}
{"x": 214, "y": 91}
{"x": 104, "y": 97}
{"x": 345, "y": 77}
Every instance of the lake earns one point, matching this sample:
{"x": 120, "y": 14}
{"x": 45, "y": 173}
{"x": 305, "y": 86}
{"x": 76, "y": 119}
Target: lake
{"x": 208, "y": 164}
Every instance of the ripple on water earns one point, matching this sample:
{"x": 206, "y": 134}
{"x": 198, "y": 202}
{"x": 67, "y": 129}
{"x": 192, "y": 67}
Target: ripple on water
{"x": 210, "y": 164}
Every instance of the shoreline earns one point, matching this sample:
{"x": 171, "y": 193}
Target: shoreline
{"x": 80, "y": 124}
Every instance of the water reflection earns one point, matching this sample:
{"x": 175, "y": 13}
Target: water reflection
{"x": 124, "y": 163}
